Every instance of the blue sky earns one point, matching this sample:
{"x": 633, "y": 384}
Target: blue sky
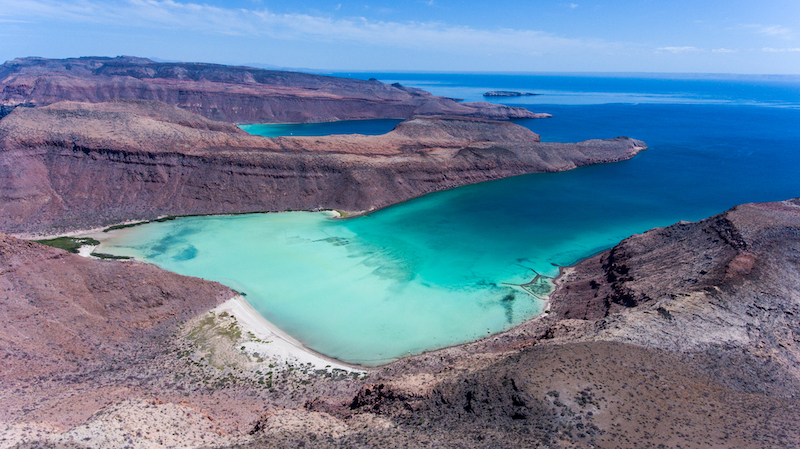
{"x": 699, "y": 36}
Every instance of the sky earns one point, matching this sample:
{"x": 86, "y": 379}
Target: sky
{"x": 657, "y": 36}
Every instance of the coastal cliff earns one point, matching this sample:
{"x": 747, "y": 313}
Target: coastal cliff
{"x": 226, "y": 93}
{"x": 724, "y": 292}
{"x": 79, "y": 165}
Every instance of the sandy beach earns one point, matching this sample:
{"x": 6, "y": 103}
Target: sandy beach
{"x": 274, "y": 344}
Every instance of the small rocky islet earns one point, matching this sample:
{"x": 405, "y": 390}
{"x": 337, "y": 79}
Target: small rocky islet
{"x": 508, "y": 93}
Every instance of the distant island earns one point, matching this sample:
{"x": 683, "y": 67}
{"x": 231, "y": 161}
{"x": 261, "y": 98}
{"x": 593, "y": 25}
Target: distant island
{"x": 507, "y": 93}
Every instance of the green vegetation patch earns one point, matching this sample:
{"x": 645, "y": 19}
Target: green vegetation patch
{"x": 71, "y": 244}
{"x": 109, "y": 256}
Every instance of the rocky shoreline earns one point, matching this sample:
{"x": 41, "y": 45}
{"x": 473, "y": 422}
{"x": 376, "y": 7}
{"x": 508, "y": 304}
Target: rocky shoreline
{"x": 72, "y": 166}
{"x": 685, "y": 336}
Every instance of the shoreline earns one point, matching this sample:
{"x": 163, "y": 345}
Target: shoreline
{"x": 275, "y": 343}
{"x": 280, "y": 346}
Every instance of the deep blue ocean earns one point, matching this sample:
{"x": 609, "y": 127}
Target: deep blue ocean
{"x": 446, "y": 268}
{"x": 714, "y": 142}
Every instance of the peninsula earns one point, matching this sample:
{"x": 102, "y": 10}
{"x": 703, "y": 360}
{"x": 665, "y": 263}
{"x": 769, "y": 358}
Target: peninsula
{"x": 76, "y": 165}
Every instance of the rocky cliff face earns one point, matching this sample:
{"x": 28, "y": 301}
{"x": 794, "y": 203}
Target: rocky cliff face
{"x": 224, "y": 93}
{"x": 723, "y": 291}
{"x": 77, "y": 165}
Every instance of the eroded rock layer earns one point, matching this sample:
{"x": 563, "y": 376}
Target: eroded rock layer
{"x": 76, "y": 165}
{"x": 224, "y": 93}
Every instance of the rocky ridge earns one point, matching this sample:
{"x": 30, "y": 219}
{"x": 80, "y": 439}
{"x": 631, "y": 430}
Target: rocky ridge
{"x": 81, "y": 165}
{"x": 226, "y": 93}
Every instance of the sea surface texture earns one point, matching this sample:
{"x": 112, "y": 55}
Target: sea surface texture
{"x": 455, "y": 266}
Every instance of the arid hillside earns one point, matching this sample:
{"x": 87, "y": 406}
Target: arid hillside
{"x": 225, "y": 93}
{"x": 80, "y": 165}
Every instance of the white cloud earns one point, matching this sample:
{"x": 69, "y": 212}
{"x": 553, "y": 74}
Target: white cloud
{"x": 724, "y": 50}
{"x": 573, "y": 5}
{"x": 770, "y": 30}
{"x": 778, "y": 50}
{"x": 678, "y": 49}
{"x": 173, "y": 15}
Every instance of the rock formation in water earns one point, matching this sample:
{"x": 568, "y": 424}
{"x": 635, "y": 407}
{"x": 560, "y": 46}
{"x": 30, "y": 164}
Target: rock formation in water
{"x": 225, "y": 93}
{"x": 77, "y": 165}
{"x": 685, "y": 335}
{"x": 507, "y": 93}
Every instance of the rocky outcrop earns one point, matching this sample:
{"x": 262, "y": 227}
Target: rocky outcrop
{"x": 507, "y": 93}
{"x": 225, "y": 93}
{"x": 77, "y": 165}
{"x": 724, "y": 292}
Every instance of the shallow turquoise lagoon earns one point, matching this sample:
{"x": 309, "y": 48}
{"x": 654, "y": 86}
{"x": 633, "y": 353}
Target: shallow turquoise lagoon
{"x": 441, "y": 269}
{"x": 360, "y": 296}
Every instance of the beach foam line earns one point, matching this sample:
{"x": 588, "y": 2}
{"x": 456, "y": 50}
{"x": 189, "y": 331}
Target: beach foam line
{"x": 274, "y": 343}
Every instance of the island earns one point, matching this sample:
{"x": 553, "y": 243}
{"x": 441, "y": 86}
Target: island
{"x": 507, "y": 93}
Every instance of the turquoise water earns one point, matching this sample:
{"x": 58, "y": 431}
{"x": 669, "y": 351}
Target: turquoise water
{"x": 366, "y": 127}
{"x": 360, "y": 294}
{"x": 438, "y": 270}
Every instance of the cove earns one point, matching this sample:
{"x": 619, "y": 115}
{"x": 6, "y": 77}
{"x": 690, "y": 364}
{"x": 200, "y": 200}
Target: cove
{"x": 365, "y": 127}
{"x": 360, "y": 294}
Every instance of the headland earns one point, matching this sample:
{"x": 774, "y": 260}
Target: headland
{"x": 72, "y": 165}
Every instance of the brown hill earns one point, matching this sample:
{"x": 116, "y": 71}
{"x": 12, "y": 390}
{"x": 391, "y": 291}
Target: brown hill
{"x": 77, "y": 165}
{"x": 225, "y": 93}
{"x": 68, "y": 323}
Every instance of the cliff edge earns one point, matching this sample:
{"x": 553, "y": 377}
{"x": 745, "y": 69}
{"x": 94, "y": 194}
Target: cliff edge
{"x": 78, "y": 165}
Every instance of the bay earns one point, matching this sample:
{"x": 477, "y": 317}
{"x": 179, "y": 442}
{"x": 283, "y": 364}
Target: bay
{"x": 445, "y": 268}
